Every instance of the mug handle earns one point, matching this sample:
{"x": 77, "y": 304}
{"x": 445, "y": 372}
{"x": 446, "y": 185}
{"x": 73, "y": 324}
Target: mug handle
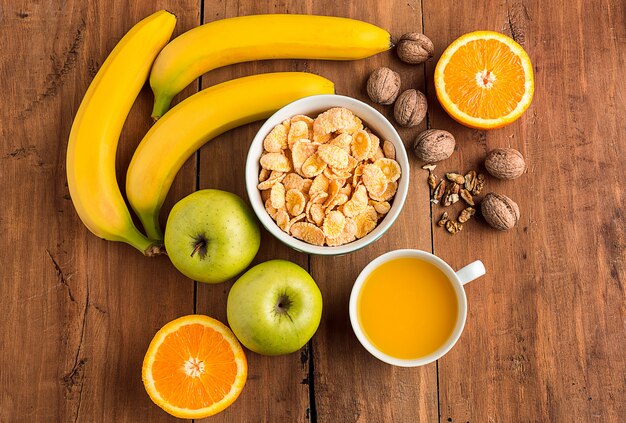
{"x": 470, "y": 272}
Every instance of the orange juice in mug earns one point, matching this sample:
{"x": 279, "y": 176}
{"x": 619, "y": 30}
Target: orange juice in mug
{"x": 408, "y": 307}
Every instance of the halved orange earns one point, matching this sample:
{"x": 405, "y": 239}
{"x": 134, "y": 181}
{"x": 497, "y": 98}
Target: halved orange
{"x": 484, "y": 80}
{"x": 194, "y": 367}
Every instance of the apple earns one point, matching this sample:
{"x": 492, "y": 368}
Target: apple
{"x": 211, "y": 236}
{"x": 274, "y": 308}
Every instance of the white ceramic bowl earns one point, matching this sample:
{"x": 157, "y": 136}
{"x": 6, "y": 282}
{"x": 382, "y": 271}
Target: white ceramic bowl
{"x": 312, "y": 106}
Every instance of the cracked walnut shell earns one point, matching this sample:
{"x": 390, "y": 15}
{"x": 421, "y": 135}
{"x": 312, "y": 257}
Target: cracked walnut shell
{"x": 383, "y": 86}
{"x": 434, "y": 145}
{"x": 415, "y": 48}
{"x": 505, "y": 163}
{"x": 500, "y": 211}
{"x": 410, "y": 108}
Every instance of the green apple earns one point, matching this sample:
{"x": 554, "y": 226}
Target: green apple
{"x": 211, "y": 236}
{"x": 274, "y": 308}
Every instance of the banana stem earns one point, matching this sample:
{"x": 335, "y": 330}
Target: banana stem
{"x": 161, "y": 105}
{"x": 148, "y": 247}
{"x": 151, "y": 226}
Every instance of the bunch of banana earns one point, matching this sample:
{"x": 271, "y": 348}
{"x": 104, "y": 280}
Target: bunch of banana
{"x": 200, "y": 118}
{"x": 203, "y": 116}
{"x": 97, "y": 127}
{"x": 259, "y": 37}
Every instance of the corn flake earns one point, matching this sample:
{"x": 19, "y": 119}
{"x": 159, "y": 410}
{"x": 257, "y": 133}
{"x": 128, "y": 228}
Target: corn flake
{"x": 332, "y": 173}
{"x": 366, "y": 222}
{"x": 282, "y": 220}
{"x": 374, "y": 180}
{"x": 302, "y": 150}
{"x": 361, "y": 145}
{"x": 392, "y": 187}
{"x": 306, "y": 185}
{"x": 390, "y": 168}
{"x": 270, "y": 209}
{"x": 389, "y": 150}
{"x": 276, "y": 140}
{"x": 316, "y": 214}
{"x": 342, "y": 141}
{"x": 295, "y": 202}
{"x": 333, "y": 190}
{"x": 322, "y": 138}
{"x": 299, "y": 130}
{"x": 381, "y": 207}
{"x": 313, "y": 166}
{"x": 308, "y": 232}
{"x": 275, "y": 161}
{"x": 334, "y": 156}
{"x": 293, "y": 181}
{"x": 357, "y": 203}
{"x": 319, "y": 184}
{"x": 277, "y": 196}
{"x": 339, "y": 200}
{"x": 347, "y": 235}
{"x": 336, "y": 119}
{"x": 297, "y": 218}
{"x": 333, "y": 224}
{"x": 264, "y": 174}
{"x": 274, "y": 177}
{"x": 305, "y": 119}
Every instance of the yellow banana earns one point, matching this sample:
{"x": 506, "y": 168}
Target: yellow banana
{"x": 259, "y": 37}
{"x": 96, "y": 130}
{"x": 200, "y": 118}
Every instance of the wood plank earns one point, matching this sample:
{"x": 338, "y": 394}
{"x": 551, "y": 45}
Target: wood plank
{"x": 350, "y": 384}
{"x": 540, "y": 340}
{"x": 277, "y": 388}
{"x": 79, "y": 311}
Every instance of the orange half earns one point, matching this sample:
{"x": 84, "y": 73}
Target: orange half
{"x": 484, "y": 80}
{"x": 194, "y": 367}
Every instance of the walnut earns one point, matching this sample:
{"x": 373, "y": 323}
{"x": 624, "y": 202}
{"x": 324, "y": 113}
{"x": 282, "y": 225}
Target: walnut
{"x": 414, "y": 48}
{"x": 383, "y": 86}
{"x": 505, "y": 163}
{"x": 410, "y": 108}
{"x": 499, "y": 211}
{"x": 434, "y": 145}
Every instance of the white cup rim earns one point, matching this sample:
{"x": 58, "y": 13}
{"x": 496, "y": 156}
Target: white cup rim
{"x": 461, "y": 315}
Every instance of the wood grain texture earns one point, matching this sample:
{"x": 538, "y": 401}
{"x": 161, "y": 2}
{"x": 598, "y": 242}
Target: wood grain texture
{"x": 277, "y": 389}
{"x": 545, "y": 329}
{"x": 79, "y": 312}
{"x": 541, "y": 337}
{"x": 349, "y": 382}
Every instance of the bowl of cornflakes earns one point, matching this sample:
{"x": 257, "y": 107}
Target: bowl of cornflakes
{"x": 327, "y": 175}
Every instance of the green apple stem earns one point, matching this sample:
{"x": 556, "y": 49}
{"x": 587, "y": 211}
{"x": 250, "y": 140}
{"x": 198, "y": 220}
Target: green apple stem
{"x": 200, "y": 244}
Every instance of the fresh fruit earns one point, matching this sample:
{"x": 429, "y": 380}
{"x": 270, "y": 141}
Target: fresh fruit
{"x": 97, "y": 127}
{"x": 194, "y": 367}
{"x": 200, "y": 118}
{"x": 274, "y": 308}
{"x": 259, "y": 37}
{"x": 484, "y": 80}
{"x": 211, "y": 236}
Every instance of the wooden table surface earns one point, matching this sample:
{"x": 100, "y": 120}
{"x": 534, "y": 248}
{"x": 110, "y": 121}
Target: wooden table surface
{"x": 544, "y": 339}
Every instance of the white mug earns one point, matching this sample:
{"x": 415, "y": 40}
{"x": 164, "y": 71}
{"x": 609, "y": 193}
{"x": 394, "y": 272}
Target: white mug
{"x": 458, "y": 279}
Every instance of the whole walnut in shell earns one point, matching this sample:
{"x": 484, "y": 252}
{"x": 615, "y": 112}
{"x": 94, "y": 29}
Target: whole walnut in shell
{"x": 410, "y": 108}
{"x": 505, "y": 163}
{"x": 434, "y": 145}
{"x": 499, "y": 211}
{"x": 383, "y": 86}
{"x": 415, "y": 48}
